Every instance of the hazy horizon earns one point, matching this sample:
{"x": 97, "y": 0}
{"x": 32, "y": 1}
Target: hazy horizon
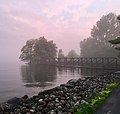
{"x": 66, "y": 22}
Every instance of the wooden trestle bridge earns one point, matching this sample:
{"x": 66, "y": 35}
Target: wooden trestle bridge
{"x": 85, "y": 62}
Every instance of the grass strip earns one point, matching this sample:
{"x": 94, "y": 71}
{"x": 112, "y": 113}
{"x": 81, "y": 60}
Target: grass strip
{"x": 91, "y": 104}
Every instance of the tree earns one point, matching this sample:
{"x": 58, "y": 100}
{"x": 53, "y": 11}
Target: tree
{"x": 86, "y": 45}
{"x": 60, "y": 54}
{"x": 28, "y": 51}
{"x": 72, "y": 54}
{"x": 116, "y": 41}
{"x": 97, "y": 45}
{"x": 38, "y": 50}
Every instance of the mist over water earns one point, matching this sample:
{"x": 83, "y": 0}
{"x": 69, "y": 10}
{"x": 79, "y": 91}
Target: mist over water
{"x": 18, "y": 79}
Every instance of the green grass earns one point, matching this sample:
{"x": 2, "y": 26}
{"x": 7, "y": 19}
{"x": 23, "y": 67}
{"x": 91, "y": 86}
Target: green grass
{"x": 95, "y": 101}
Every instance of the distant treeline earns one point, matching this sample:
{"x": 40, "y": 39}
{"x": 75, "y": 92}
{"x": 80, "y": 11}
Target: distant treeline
{"x": 41, "y": 50}
{"x": 97, "y": 44}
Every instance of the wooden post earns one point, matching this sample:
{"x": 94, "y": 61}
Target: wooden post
{"x": 59, "y": 61}
{"x": 103, "y": 62}
{"x": 91, "y": 62}
{"x": 108, "y": 62}
{"x": 78, "y": 61}
{"x": 96, "y": 62}
{"x": 81, "y": 61}
{"x": 73, "y": 61}
{"x": 86, "y": 61}
{"x": 116, "y": 63}
{"x": 65, "y": 62}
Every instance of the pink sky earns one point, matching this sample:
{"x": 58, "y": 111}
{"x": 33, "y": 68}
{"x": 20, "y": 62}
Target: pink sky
{"x": 67, "y": 22}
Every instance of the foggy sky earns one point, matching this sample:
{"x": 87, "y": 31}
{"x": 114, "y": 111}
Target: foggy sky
{"x": 67, "y": 22}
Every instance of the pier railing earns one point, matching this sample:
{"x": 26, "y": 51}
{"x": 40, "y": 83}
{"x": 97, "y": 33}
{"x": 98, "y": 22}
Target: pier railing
{"x": 87, "y": 62}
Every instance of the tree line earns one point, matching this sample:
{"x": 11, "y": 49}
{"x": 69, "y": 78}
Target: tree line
{"x": 99, "y": 44}
{"x": 36, "y": 50}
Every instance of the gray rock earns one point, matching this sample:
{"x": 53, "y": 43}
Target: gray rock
{"x": 14, "y": 101}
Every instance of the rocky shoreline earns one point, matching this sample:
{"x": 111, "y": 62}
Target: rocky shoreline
{"x": 60, "y": 99}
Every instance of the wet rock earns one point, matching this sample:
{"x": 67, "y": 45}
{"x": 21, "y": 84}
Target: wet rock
{"x": 25, "y": 97}
{"x": 14, "y": 101}
{"x": 1, "y": 108}
{"x": 67, "y": 85}
{"x": 72, "y": 81}
{"x": 24, "y": 110}
{"x": 40, "y": 95}
{"x": 52, "y": 112}
{"x": 59, "y": 99}
{"x": 32, "y": 110}
{"x": 17, "y": 110}
{"x": 60, "y": 112}
{"x": 28, "y": 113}
{"x": 40, "y": 100}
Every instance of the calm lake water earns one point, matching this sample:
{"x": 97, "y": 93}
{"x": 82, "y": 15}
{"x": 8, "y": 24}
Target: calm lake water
{"x": 17, "y": 80}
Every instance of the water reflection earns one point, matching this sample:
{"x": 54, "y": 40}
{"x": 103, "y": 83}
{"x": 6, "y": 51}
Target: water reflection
{"x": 44, "y": 76}
{"x": 69, "y": 69}
{"x": 94, "y": 72}
{"x": 85, "y": 71}
{"x": 38, "y": 75}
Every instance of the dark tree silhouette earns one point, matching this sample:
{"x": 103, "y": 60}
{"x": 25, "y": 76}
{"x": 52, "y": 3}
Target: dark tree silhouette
{"x": 72, "y": 54}
{"x": 60, "y": 54}
{"x": 28, "y": 51}
{"x": 38, "y": 50}
{"x": 97, "y": 45}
